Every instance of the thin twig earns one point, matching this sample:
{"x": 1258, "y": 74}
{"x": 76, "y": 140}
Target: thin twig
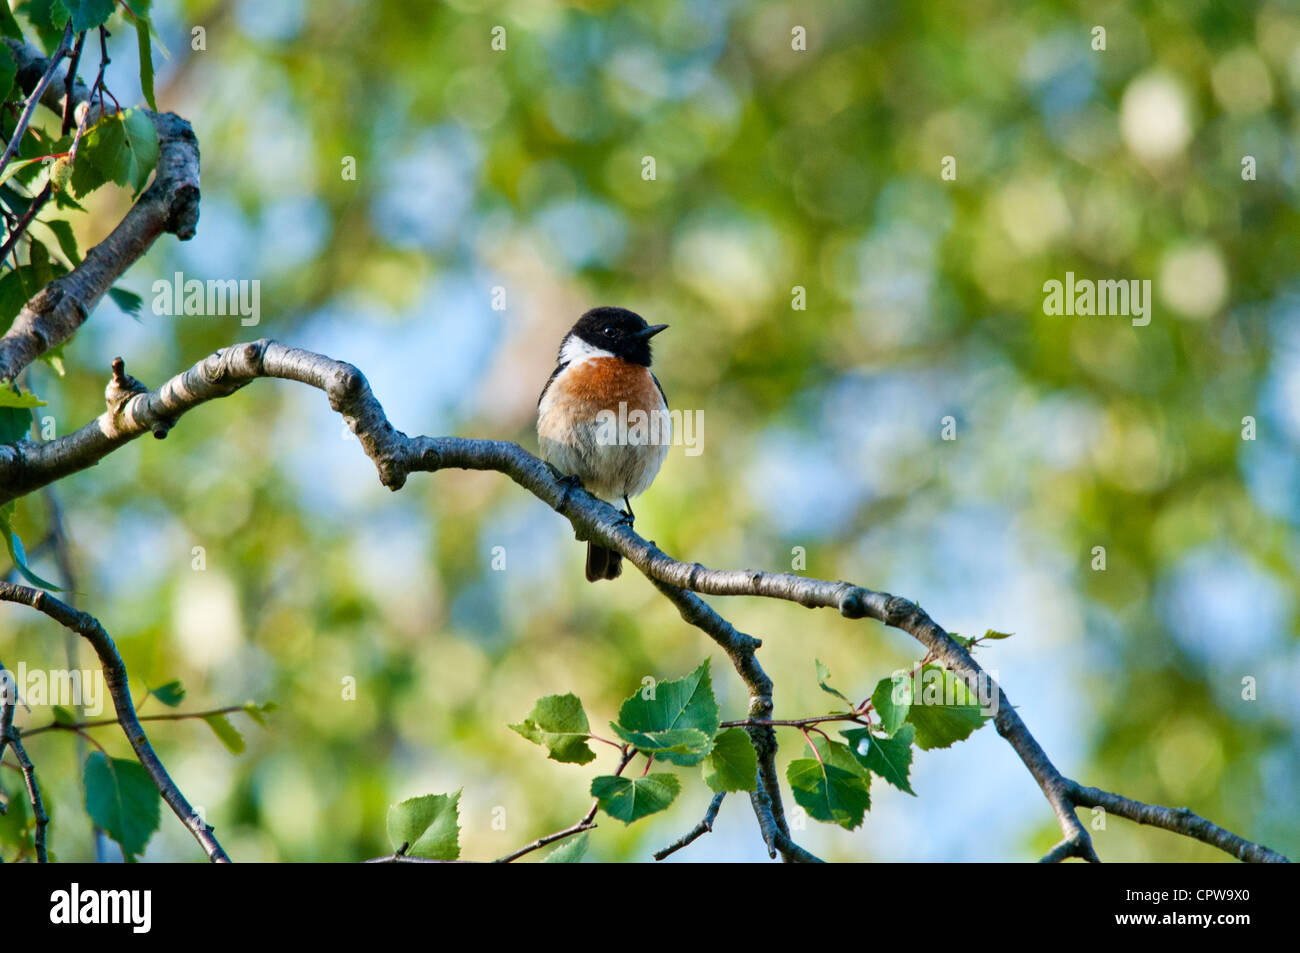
{"x": 11, "y": 736}
{"x": 115, "y": 679}
{"x": 33, "y": 793}
{"x": 69, "y": 103}
{"x": 578, "y": 828}
{"x": 78, "y": 726}
{"x": 20, "y": 229}
{"x": 587, "y": 823}
{"x": 704, "y": 827}
{"x": 169, "y": 205}
{"x": 25, "y": 117}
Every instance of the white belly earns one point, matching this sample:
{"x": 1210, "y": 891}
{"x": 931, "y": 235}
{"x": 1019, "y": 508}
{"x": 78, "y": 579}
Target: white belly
{"x": 612, "y": 461}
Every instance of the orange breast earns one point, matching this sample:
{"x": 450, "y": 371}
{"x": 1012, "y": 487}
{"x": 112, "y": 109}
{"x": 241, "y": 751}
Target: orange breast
{"x": 604, "y": 382}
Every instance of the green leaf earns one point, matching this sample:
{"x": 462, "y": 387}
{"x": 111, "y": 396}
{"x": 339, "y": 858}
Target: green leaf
{"x": 938, "y": 723}
{"x": 890, "y": 758}
{"x": 9, "y": 26}
{"x": 171, "y": 694}
{"x": 67, "y": 240}
{"x": 15, "y": 165}
{"x": 62, "y": 716}
{"x": 428, "y": 825}
{"x": 121, "y": 148}
{"x": 256, "y": 711}
{"x": 559, "y": 724}
{"x": 835, "y": 789}
{"x": 12, "y": 200}
{"x": 994, "y": 634}
{"x": 630, "y": 799}
{"x": 824, "y": 678}
{"x": 54, "y": 358}
{"x": 128, "y": 301}
{"x": 15, "y": 424}
{"x": 682, "y": 704}
{"x": 15, "y": 546}
{"x": 40, "y": 14}
{"x": 16, "y": 827}
{"x": 732, "y": 765}
{"x": 65, "y": 201}
{"x": 87, "y": 176}
{"x": 122, "y": 800}
{"x": 11, "y": 398}
{"x": 13, "y": 293}
{"x": 685, "y": 741}
{"x": 226, "y": 733}
{"x": 15, "y": 410}
{"x": 84, "y": 14}
{"x": 146, "y": 58}
{"x": 38, "y": 257}
{"x": 891, "y": 699}
{"x": 19, "y": 284}
{"x": 8, "y": 67}
{"x": 568, "y": 853}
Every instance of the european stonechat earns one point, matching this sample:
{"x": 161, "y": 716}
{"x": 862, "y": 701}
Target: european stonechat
{"x": 603, "y": 372}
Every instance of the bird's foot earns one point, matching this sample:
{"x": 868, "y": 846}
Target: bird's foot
{"x": 570, "y": 483}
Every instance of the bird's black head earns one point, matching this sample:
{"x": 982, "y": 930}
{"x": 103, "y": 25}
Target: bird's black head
{"x": 621, "y": 332}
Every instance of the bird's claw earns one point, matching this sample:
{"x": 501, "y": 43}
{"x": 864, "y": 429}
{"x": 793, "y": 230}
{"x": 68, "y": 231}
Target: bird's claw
{"x": 570, "y": 483}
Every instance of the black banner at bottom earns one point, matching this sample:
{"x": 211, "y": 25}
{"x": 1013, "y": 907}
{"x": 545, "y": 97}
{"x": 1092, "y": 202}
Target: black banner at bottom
{"x": 176, "y": 903}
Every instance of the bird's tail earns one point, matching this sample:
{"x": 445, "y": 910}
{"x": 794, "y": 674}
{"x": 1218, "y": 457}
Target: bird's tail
{"x": 603, "y": 563}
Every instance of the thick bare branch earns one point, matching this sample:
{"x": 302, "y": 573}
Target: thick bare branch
{"x": 132, "y": 411}
{"x": 170, "y": 204}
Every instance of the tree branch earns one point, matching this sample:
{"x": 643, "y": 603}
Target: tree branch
{"x": 133, "y": 411}
{"x": 741, "y": 649}
{"x": 34, "y": 96}
{"x": 115, "y": 679}
{"x": 1180, "y": 820}
{"x": 585, "y": 824}
{"x": 699, "y": 830}
{"x": 170, "y": 204}
{"x": 78, "y": 726}
{"x": 10, "y": 736}
{"x": 627, "y": 753}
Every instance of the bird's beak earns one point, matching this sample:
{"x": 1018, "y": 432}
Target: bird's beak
{"x": 650, "y": 332}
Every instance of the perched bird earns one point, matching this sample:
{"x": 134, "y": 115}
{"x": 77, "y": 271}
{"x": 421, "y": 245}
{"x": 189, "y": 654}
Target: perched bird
{"x": 604, "y": 365}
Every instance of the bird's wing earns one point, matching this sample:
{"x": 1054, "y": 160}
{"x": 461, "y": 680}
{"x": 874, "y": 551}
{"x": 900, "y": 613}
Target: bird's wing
{"x": 657, "y": 384}
{"x": 550, "y": 380}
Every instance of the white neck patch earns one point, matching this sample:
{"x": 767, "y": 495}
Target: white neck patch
{"x": 575, "y": 350}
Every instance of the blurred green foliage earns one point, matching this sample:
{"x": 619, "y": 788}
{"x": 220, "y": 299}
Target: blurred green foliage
{"x": 775, "y": 168}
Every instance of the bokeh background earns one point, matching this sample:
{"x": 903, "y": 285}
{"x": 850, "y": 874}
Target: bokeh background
{"x": 776, "y": 168}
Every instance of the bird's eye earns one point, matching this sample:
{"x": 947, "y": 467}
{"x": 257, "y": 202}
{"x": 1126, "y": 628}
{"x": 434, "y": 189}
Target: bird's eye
{"x": 610, "y": 331}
